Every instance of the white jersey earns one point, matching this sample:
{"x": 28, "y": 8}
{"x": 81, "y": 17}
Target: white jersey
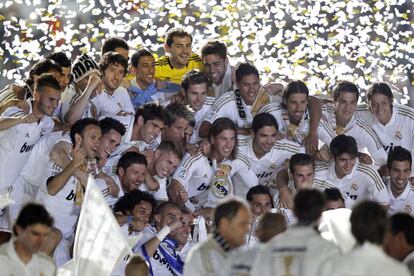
{"x": 362, "y": 183}
{"x": 402, "y": 203}
{"x": 242, "y": 262}
{"x": 367, "y": 259}
{"x": 207, "y": 181}
{"x": 33, "y": 174}
{"x": 161, "y": 193}
{"x": 226, "y": 84}
{"x": 11, "y": 264}
{"x": 268, "y": 165}
{"x": 231, "y": 105}
{"x": 300, "y": 132}
{"x": 399, "y": 131}
{"x": 199, "y": 117}
{"x": 17, "y": 142}
{"x": 111, "y": 105}
{"x": 365, "y": 137}
{"x": 89, "y": 112}
{"x": 206, "y": 258}
{"x": 298, "y": 251}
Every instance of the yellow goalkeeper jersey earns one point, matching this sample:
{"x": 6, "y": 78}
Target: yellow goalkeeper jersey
{"x": 165, "y": 71}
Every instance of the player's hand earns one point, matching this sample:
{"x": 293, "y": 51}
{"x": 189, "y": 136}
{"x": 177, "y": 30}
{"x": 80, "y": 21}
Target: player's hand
{"x": 205, "y": 147}
{"x": 192, "y": 149}
{"x": 94, "y": 83}
{"x": 365, "y": 158}
{"x": 113, "y": 188}
{"x": 138, "y": 224}
{"x": 78, "y": 154}
{"x": 149, "y": 155}
{"x": 286, "y": 199}
{"x": 311, "y": 143}
{"x": 273, "y": 88}
{"x": 182, "y": 195}
{"x": 175, "y": 225}
{"x": 23, "y": 105}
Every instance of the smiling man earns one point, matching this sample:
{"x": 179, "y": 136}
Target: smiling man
{"x": 179, "y": 59}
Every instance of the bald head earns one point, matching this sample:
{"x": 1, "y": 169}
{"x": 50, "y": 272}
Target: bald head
{"x": 270, "y": 225}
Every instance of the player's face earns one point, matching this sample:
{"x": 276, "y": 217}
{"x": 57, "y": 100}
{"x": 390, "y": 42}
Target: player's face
{"x": 296, "y": 106}
{"x": 109, "y": 142}
{"x": 176, "y": 132}
{"x": 113, "y": 76}
{"x": 399, "y": 175}
{"x": 224, "y": 143}
{"x": 122, "y": 51}
{"x": 393, "y": 246}
{"x": 146, "y": 69}
{"x": 166, "y": 163}
{"x": 47, "y": 100}
{"x": 181, "y": 234}
{"x": 265, "y": 138}
{"x": 238, "y": 227}
{"x": 381, "y": 107}
{"x": 345, "y": 105}
{"x": 260, "y": 204}
{"x": 33, "y": 237}
{"x": 215, "y": 68}
{"x": 249, "y": 87}
{"x": 196, "y": 95}
{"x": 142, "y": 210}
{"x": 150, "y": 130}
{"x": 65, "y": 78}
{"x": 132, "y": 177}
{"x": 180, "y": 50}
{"x": 344, "y": 164}
{"x": 303, "y": 176}
{"x": 91, "y": 139}
{"x": 168, "y": 216}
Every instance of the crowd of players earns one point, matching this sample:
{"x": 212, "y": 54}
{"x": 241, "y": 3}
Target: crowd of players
{"x": 222, "y": 174}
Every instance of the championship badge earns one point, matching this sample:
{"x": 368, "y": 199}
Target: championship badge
{"x": 221, "y": 184}
{"x": 398, "y": 135}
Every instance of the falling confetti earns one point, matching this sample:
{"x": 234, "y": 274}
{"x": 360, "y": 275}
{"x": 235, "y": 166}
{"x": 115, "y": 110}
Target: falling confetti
{"x": 319, "y": 42}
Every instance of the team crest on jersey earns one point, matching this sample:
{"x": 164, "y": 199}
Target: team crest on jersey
{"x": 408, "y": 209}
{"x": 398, "y": 135}
{"x": 354, "y": 186}
{"x": 221, "y": 184}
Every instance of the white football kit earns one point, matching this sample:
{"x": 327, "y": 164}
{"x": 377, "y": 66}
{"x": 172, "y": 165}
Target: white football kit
{"x": 199, "y": 117}
{"x": 402, "y": 203}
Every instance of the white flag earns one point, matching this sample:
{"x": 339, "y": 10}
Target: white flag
{"x": 99, "y": 242}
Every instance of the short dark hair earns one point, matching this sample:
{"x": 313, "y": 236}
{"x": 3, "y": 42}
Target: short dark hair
{"x": 380, "y": 88}
{"x": 259, "y": 190}
{"x": 403, "y": 222}
{"x": 42, "y": 66}
{"x": 294, "y": 87}
{"x": 112, "y": 43}
{"x": 46, "y": 80}
{"x": 263, "y": 119}
{"x": 109, "y": 123}
{"x": 369, "y": 222}
{"x": 33, "y": 213}
{"x": 245, "y": 69}
{"x": 138, "y": 54}
{"x": 60, "y": 58}
{"x": 79, "y": 126}
{"x": 332, "y": 194}
{"x": 345, "y": 86}
{"x": 194, "y": 77}
{"x": 343, "y": 144}
{"x": 308, "y": 206}
{"x": 176, "y": 32}
{"x": 214, "y": 47}
{"x": 152, "y": 111}
{"x": 110, "y": 58}
{"x": 126, "y": 203}
{"x": 177, "y": 110}
{"x": 220, "y": 125}
{"x": 398, "y": 153}
{"x": 300, "y": 159}
{"x": 170, "y": 146}
{"x": 130, "y": 158}
{"x": 228, "y": 209}
{"x": 166, "y": 204}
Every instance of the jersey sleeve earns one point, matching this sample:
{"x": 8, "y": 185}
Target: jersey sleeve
{"x": 325, "y": 132}
{"x": 221, "y": 109}
{"x": 186, "y": 169}
{"x": 376, "y": 186}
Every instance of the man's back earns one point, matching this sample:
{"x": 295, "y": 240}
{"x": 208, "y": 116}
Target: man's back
{"x": 298, "y": 251}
